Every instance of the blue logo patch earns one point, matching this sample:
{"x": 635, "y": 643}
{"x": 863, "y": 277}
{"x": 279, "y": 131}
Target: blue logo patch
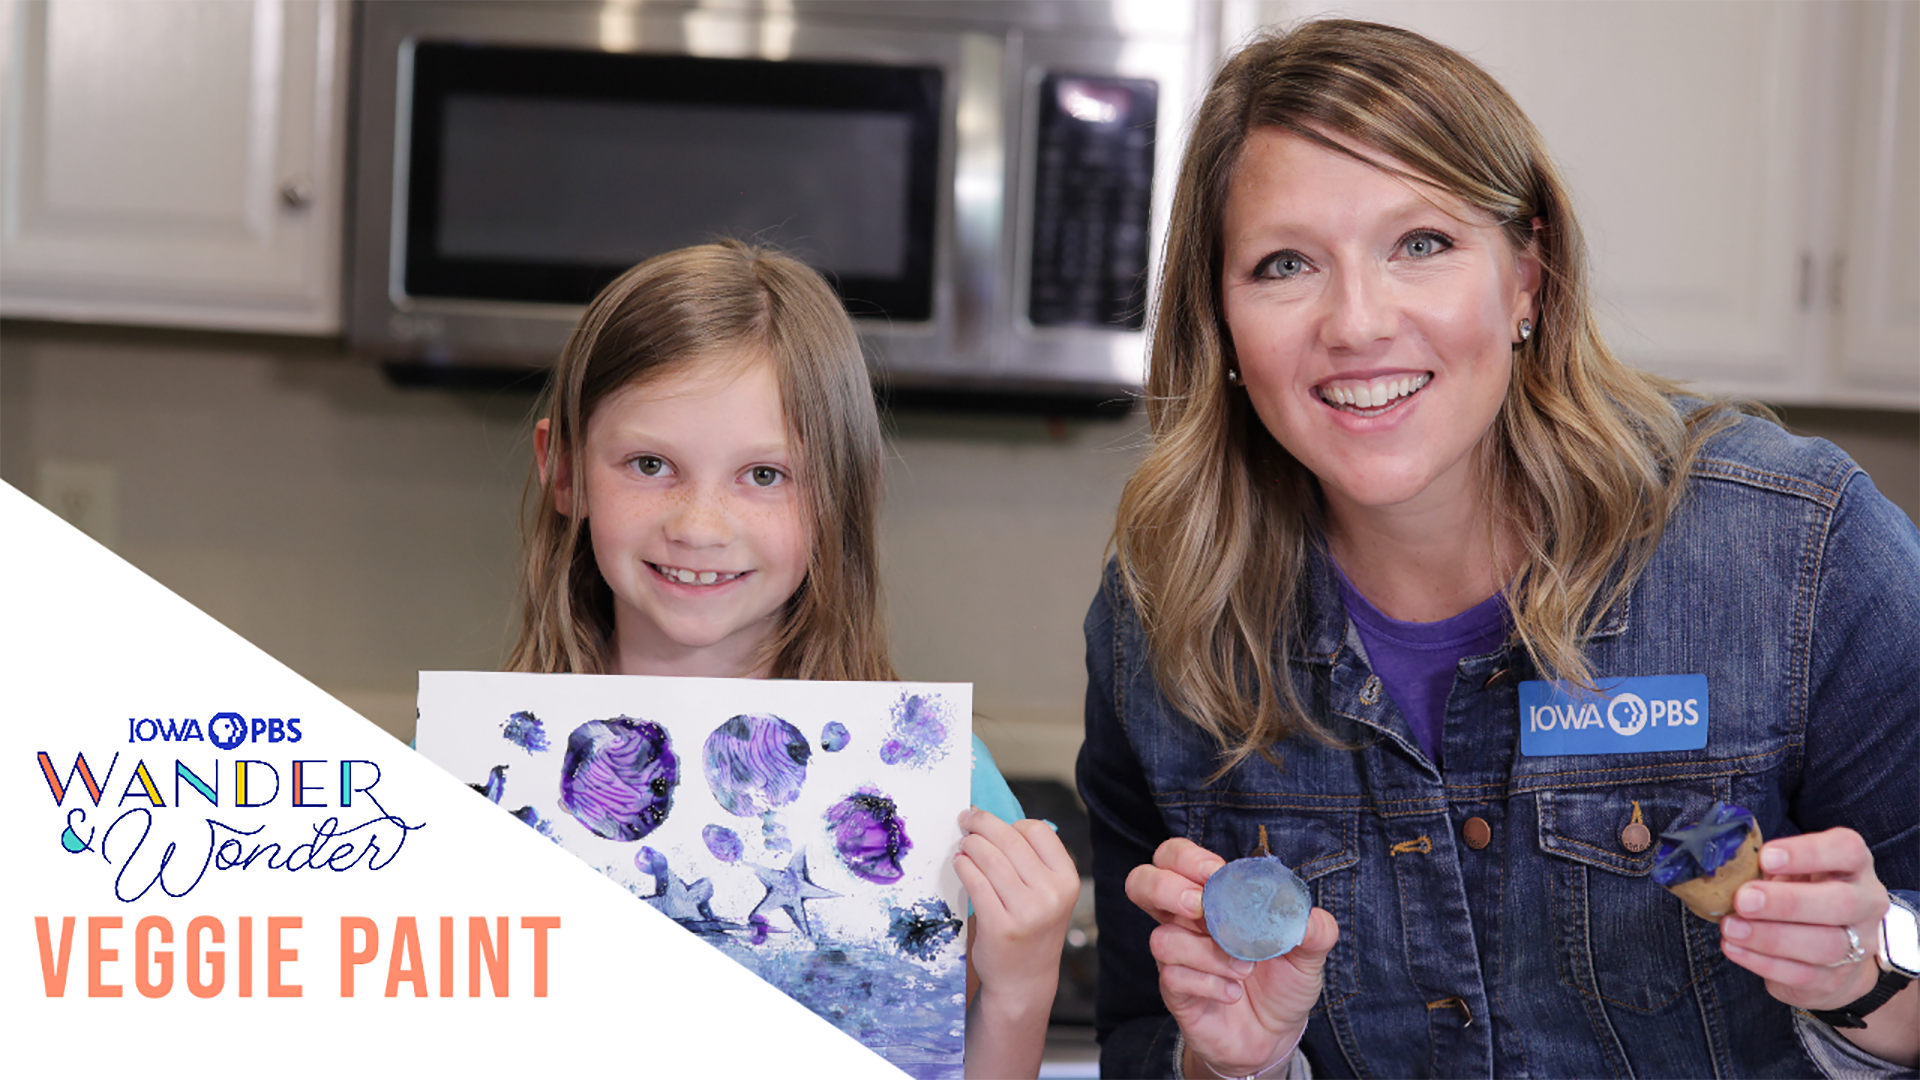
{"x": 1628, "y": 716}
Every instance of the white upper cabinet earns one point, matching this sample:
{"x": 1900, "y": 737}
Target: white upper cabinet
{"x": 1875, "y": 285}
{"x": 173, "y": 163}
{"x": 1745, "y": 175}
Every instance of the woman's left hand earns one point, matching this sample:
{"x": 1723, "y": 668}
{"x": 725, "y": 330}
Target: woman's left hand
{"x": 1791, "y": 927}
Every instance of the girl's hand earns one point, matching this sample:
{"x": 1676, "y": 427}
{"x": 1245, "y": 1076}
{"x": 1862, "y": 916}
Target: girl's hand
{"x": 1790, "y": 928}
{"x": 1238, "y": 1018}
{"x": 1023, "y": 884}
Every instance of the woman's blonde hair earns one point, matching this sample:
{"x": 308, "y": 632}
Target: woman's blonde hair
{"x": 662, "y": 316}
{"x": 1587, "y": 456}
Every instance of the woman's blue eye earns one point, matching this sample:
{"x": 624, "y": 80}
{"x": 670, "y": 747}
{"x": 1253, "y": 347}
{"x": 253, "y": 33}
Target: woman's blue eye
{"x": 1423, "y": 244}
{"x": 1282, "y": 265}
{"x": 765, "y": 475}
{"x": 648, "y": 465}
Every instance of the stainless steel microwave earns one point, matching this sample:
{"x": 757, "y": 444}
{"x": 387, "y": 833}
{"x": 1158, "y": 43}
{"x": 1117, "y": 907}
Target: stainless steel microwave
{"x": 984, "y": 182}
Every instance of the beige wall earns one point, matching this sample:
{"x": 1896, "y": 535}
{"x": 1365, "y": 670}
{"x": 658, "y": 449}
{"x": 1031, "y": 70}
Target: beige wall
{"x": 360, "y": 532}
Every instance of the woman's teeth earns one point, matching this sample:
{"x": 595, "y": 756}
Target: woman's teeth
{"x": 694, "y": 577}
{"x": 1374, "y": 393}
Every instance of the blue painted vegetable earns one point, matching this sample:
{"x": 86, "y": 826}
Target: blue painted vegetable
{"x": 618, "y": 777}
{"x": 869, "y": 836}
{"x": 1700, "y": 848}
{"x": 1256, "y": 908}
{"x": 756, "y": 764}
{"x": 1704, "y": 862}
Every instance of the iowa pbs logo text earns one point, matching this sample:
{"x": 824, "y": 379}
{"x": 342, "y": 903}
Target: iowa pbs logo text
{"x": 1661, "y": 712}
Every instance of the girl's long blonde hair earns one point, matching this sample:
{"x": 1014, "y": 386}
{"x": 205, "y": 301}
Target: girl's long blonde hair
{"x": 1587, "y": 456}
{"x": 660, "y": 317}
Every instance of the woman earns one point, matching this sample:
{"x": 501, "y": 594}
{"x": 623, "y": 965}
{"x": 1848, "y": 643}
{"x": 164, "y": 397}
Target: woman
{"x": 1397, "y": 483}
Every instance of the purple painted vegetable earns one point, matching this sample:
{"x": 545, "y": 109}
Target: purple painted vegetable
{"x": 618, "y": 777}
{"x": 834, "y": 737}
{"x": 869, "y": 836}
{"x": 756, "y": 764}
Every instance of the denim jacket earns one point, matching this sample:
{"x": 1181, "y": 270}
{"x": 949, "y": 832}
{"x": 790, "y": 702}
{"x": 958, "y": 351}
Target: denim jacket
{"x": 1784, "y": 578}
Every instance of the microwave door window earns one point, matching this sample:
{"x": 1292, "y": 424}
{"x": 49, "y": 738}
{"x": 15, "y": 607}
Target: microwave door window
{"x": 547, "y": 197}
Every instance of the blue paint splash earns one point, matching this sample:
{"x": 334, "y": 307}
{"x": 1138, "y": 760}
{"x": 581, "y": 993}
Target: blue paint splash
{"x": 496, "y": 786}
{"x": 524, "y": 730}
{"x": 650, "y": 862}
{"x": 530, "y": 817}
{"x": 495, "y": 789}
{"x": 834, "y": 737}
{"x": 924, "y": 929}
{"x": 723, "y": 842}
{"x": 919, "y": 735}
{"x": 869, "y": 836}
{"x": 914, "y": 1018}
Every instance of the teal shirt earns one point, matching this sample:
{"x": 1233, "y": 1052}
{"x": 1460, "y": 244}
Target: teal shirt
{"x": 990, "y": 790}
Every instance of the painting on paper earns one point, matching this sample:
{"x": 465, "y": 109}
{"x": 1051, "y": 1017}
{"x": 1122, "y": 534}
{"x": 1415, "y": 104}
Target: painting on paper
{"x": 805, "y": 829}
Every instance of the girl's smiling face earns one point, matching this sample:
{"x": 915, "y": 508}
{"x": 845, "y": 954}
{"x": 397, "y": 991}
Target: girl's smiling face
{"x": 1373, "y": 318}
{"x": 687, "y": 484}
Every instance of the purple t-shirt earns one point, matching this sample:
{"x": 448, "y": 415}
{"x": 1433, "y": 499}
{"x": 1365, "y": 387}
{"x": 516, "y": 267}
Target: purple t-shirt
{"x": 1416, "y": 661}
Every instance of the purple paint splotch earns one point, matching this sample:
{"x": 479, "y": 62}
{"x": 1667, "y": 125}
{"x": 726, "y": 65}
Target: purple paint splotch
{"x": 723, "y": 842}
{"x": 756, "y": 764}
{"x": 834, "y": 737}
{"x": 869, "y": 836}
{"x": 524, "y": 730}
{"x": 918, "y": 738}
{"x": 618, "y": 777}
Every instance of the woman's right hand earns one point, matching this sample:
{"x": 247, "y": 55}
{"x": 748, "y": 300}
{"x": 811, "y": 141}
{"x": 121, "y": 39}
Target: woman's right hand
{"x": 1239, "y": 1018}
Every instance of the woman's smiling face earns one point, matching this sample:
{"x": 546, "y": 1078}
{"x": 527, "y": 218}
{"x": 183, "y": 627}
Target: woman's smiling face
{"x": 1373, "y": 318}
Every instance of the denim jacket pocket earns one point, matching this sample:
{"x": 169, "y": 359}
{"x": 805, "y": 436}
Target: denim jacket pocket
{"x": 1620, "y": 938}
{"x": 1319, "y": 845}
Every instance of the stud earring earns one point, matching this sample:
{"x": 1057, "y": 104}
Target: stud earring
{"x": 1526, "y": 330}
{"x": 1233, "y": 376}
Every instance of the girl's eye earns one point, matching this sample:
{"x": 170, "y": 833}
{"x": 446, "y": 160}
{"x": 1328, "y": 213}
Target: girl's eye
{"x": 649, "y": 465}
{"x": 765, "y": 476}
{"x": 1281, "y": 265}
{"x": 1425, "y": 243}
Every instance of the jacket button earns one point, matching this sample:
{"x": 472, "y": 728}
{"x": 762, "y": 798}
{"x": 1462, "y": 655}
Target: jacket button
{"x": 1477, "y": 833}
{"x": 1636, "y": 838}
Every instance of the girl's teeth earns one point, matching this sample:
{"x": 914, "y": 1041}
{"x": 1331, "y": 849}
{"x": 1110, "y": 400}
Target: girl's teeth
{"x": 694, "y": 577}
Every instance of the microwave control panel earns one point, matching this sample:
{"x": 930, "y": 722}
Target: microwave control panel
{"x": 1092, "y": 187}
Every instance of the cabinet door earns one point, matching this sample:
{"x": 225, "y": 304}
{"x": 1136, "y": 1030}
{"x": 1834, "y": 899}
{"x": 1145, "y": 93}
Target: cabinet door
{"x": 1680, "y": 129}
{"x": 173, "y": 163}
{"x": 1876, "y": 287}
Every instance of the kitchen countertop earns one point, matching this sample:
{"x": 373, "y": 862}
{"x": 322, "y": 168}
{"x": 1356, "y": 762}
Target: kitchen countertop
{"x": 1071, "y": 1052}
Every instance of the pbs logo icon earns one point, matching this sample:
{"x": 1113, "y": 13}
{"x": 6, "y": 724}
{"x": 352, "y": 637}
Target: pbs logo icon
{"x": 1627, "y": 714}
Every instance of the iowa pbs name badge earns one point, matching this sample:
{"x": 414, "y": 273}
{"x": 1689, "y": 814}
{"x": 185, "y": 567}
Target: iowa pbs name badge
{"x": 1629, "y": 716}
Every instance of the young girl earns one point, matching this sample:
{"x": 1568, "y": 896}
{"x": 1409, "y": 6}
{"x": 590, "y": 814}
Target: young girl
{"x": 708, "y": 477}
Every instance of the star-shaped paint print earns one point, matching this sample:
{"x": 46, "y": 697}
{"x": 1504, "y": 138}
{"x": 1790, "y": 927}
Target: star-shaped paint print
{"x": 788, "y": 890}
{"x": 1702, "y": 848}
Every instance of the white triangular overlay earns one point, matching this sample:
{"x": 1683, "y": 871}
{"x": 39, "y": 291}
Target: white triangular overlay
{"x": 89, "y": 646}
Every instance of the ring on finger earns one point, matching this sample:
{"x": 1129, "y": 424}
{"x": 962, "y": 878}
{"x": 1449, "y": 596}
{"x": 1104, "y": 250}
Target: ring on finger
{"x": 1855, "y": 953}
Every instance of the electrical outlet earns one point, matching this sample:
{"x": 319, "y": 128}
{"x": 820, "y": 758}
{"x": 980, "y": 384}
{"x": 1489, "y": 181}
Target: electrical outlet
{"x": 86, "y": 494}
